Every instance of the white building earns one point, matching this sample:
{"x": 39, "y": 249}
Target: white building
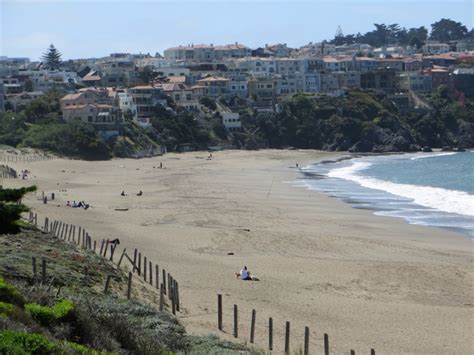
{"x": 231, "y": 121}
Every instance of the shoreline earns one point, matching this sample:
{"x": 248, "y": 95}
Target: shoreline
{"x": 342, "y": 191}
{"x": 323, "y": 264}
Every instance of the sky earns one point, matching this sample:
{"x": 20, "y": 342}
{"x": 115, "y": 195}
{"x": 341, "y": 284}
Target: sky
{"x": 86, "y": 28}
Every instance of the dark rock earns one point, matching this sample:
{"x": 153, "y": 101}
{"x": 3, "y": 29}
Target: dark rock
{"x": 447, "y": 149}
{"x": 427, "y": 149}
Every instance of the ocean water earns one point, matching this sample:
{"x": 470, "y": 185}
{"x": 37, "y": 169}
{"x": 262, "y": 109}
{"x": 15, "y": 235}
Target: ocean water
{"x": 434, "y": 189}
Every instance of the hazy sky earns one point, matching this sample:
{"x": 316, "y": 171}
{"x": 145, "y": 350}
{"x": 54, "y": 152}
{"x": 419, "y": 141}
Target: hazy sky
{"x": 81, "y": 29}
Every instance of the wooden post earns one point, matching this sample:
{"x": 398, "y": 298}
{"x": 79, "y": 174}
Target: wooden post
{"x": 79, "y": 235}
{"x": 236, "y": 321}
{"x": 102, "y": 247}
{"x": 83, "y": 237}
{"x": 45, "y": 227}
{"x": 35, "y": 275}
{"x": 43, "y": 271}
{"x": 164, "y": 281}
{"x": 173, "y": 300}
{"x": 66, "y": 236}
{"x": 52, "y": 196}
{"x": 270, "y": 333}
{"x": 129, "y": 287}
{"x": 144, "y": 267}
{"x": 252, "y": 327}
{"x": 169, "y": 286}
{"x": 121, "y": 256}
{"x": 306, "y": 341}
{"x": 135, "y": 254}
{"x": 63, "y": 228}
{"x": 107, "y": 283}
{"x": 353, "y": 352}
{"x": 287, "y": 338}
{"x": 106, "y": 246}
{"x": 139, "y": 266}
{"x": 150, "y": 272}
{"x": 372, "y": 351}
{"x": 95, "y": 245}
{"x": 176, "y": 291}
{"x": 219, "y": 312}
{"x": 157, "y": 276}
{"x": 112, "y": 251}
{"x": 326, "y": 344}
{"x": 162, "y": 297}
{"x": 74, "y": 234}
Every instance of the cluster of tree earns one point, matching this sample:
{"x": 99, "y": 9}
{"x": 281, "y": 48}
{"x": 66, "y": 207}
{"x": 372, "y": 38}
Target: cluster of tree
{"x": 11, "y": 208}
{"x": 444, "y": 30}
{"x": 362, "y": 122}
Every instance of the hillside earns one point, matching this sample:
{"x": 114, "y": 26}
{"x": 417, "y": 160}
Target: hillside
{"x": 70, "y": 312}
{"x": 364, "y": 122}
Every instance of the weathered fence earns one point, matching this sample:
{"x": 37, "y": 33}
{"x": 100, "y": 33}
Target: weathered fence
{"x": 79, "y": 236}
{"x": 243, "y": 324}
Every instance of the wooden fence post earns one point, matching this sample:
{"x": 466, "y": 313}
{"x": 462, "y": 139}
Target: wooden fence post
{"x": 129, "y": 287}
{"x": 144, "y": 267}
{"x": 135, "y": 255}
{"x": 236, "y": 321}
{"x": 157, "y": 276}
{"x": 173, "y": 299}
{"x": 270, "y": 333}
{"x": 150, "y": 272}
{"x": 121, "y": 256}
{"x": 43, "y": 271}
{"x": 79, "y": 234}
{"x": 176, "y": 291}
{"x": 219, "y": 312}
{"x": 74, "y": 234}
{"x": 139, "y": 268}
{"x": 326, "y": 344}
{"x": 306, "y": 341}
{"x": 353, "y": 352}
{"x": 35, "y": 275}
{"x": 102, "y": 247}
{"x": 372, "y": 351}
{"x": 107, "y": 283}
{"x": 112, "y": 251}
{"x": 169, "y": 286}
{"x": 252, "y": 327}
{"x": 164, "y": 280}
{"x": 106, "y": 246}
{"x": 95, "y": 245}
{"x": 162, "y": 297}
{"x": 287, "y": 338}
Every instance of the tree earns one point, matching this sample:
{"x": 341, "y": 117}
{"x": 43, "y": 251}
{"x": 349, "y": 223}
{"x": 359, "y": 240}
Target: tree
{"x": 11, "y": 208}
{"x": 209, "y": 102}
{"x": 446, "y": 30}
{"x": 339, "y": 38}
{"x": 52, "y": 58}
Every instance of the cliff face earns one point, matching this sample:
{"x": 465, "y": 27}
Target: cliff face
{"x": 365, "y": 122}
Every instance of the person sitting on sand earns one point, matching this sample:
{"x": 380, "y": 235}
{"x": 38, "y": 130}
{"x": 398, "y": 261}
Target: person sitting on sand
{"x": 123, "y": 193}
{"x": 244, "y": 274}
{"x": 140, "y": 193}
{"x": 68, "y": 204}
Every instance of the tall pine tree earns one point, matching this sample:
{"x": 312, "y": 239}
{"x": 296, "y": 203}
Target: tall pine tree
{"x": 52, "y": 58}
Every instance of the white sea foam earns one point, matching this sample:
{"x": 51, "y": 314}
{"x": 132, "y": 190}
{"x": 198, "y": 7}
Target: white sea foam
{"x": 451, "y": 201}
{"x": 424, "y": 156}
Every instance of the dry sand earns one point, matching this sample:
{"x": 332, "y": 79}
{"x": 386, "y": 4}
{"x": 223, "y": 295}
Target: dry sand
{"x": 367, "y": 281}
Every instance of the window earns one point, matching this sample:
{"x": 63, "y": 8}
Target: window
{"x": 89, "y": 119}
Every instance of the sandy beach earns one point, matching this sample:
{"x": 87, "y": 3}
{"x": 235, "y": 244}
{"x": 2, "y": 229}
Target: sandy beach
{"x": 367, "y": 281}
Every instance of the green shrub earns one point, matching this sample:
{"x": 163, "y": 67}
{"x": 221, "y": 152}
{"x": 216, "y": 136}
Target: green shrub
{"x": 5, "y": 308}
{"x": 8, "y": 293}
{"x": 47, "y": 315}
{"x": 12, "y": 342}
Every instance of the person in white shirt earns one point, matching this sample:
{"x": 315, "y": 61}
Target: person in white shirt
{"x": 245, "y": 274}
